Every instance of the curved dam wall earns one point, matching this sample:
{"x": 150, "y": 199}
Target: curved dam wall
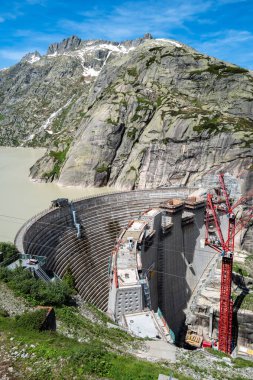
{"x": 52, "y": 234}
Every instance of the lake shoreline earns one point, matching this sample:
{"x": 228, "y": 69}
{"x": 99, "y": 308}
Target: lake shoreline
{"x": 22, "y": 197}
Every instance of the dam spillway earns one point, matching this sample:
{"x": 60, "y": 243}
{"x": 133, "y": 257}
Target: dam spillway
{"x": 53, "y": 234}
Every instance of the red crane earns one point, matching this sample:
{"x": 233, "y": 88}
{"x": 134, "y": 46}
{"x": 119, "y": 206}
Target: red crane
{"x": 225, "y": 246}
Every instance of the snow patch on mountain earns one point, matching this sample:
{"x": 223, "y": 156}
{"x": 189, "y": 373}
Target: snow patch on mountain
{"x": 89, "y": 71}
{"x": 90, "y": 48}
{"x": 31, "y": 57}
{"x": 34, "y": 58}
{"x": 54, "y": 114}
{"x": 175, "y": 43}
{"x": 47, "y": 123}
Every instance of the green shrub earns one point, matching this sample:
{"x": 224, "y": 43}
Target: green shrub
{"x": 58, "y": 158}
{"x": 220, "y": 354}
{"x": 82, "y": 114}
{"x": 175, "y": 113}
{"x": 249, "y": 259}
{"x": 237, "y": 268}
{"x": 110, "y": 121}
{"x": 247, "y": 303}
{"x": 123, "y": 103}
{"x": 69, "y": 278}
{"x": 243, "y": 125}
{"x": 94, "y": 359}
{"x": 156, "y": 48}
{"x": 158, "y": 101}
{"x": 135, "y": 117}
{"x": 220, "y": 70}
{"x": 36, "y": 291}
{"x": 242, "y": 363}
{"x": 141, "y": 108}
{"x": 103, "y": 168}
{"x": 24, "y": 285}
{"x": 235, "y": 70}
{"x": 8, "y": 250}
{"x": 56, "y": 293}
{"x": 144, "y": 100}
{"x": 31, "y": 320}
{"x": 132, "y": 71}
{"x": 167, "y": 55}
{"x": 150, "y": 61}
{"x": 100, "y": 314}
{"x": 4, "y": 313}
{"x": 4, "y": 274}
{"x": 210, "y": 125}
{"x": 197, "y": 57}
{"x": 132, "y": 133}
{"x": 215, "y": 69}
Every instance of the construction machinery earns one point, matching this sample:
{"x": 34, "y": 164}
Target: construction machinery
{"x": 222, "y": 239}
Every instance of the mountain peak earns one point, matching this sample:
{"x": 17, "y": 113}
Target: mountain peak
{"x": 31, "y": 57}
{"x": 137, "y": 41}
{"x": 74, "y": 43}
{"x": 148, "y": 36}
{"x": 70, "y": 43}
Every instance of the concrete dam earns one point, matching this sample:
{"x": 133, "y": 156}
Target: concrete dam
{"x": 81, "y": 236}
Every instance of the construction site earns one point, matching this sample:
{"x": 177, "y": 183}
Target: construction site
{"x": 158, "y": 262}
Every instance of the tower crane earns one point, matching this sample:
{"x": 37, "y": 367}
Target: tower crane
{"x": 224, "y": 243}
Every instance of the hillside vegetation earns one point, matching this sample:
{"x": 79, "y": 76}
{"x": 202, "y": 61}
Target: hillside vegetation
{"x": 87, "y": 345}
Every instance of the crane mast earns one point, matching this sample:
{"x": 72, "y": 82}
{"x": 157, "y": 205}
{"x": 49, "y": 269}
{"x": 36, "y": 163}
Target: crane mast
{"x": 225, "y": 246}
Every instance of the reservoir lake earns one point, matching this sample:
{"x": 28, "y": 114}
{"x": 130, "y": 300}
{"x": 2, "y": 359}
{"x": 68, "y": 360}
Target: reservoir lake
{"x": 20, "y": 197}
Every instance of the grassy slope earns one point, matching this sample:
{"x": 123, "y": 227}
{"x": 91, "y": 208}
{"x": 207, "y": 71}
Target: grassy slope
{"x": 82, "y": 349}
{"x": 102, "y": 352}
{"x": 85, "y": 348}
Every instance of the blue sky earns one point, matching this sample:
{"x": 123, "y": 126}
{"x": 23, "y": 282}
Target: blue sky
{"x": 221, "y": 28}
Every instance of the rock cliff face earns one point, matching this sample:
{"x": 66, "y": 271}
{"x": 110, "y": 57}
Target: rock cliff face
{"x": 140, "y": 114}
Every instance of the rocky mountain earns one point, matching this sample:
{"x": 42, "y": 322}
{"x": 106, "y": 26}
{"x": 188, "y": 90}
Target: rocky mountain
{"x": 137, "y": 114}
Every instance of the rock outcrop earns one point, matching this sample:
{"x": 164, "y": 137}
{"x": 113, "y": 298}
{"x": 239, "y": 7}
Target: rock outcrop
{"x": 137, "y": 114}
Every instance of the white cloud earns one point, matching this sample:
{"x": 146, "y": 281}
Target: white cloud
{"x": 229, "y": 43}
{"x": 13, "y": 55}
{"x": 136, "y": 18}
{"x": 227, "y": 39}
{"x": 13, "y": 15}
{"x": 38, "y": 37}
{"x": 130, "y": 19}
